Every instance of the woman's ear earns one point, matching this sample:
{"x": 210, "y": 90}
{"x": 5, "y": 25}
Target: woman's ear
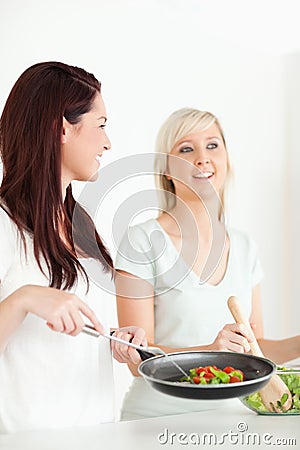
{"x": 167, "y": 176}
{"x": 66, "y": 128}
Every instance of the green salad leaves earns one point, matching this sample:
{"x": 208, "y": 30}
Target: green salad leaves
{"x": 292, "y": 380}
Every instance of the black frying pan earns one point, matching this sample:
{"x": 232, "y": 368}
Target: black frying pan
{"x": 164, "y": 376}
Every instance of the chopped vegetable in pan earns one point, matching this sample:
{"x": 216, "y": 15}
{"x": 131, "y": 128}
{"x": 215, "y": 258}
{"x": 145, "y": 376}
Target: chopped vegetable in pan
{"x": 292, "y": 381}
{"x": 214, "y": 375}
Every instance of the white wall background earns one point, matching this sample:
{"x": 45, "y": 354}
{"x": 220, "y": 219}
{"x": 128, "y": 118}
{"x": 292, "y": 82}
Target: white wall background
{"x": 239, "y": 60}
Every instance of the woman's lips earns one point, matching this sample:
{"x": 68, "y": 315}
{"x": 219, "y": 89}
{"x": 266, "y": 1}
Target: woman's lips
{"x": 203, "y": 176}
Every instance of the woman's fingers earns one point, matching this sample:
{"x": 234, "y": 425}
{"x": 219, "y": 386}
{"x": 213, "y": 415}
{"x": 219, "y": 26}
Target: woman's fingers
{"x": 235, "y": 338}
{"x": 245, "y": 331}
{"x": 56, "y": 324}
{"x": 69, "y": 324}
{"x": 124, "y": 353}
{"x": 121, "y": 351}
{"x": 241, "y": 329}
{"x": 90, "y": 314}
{"x": 65, "y": 313}
{"x": 236, "y": 347}
{"x": 77, "y": 324}
{"x": 139, "y": 335}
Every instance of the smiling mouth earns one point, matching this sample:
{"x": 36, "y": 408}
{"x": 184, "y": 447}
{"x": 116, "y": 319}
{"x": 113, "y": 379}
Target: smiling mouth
{"x": 98, "y": 158}
{"x": 204, "y": 175}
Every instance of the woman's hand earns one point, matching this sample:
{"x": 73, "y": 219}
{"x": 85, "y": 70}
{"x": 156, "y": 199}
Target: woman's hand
{"x": 121, "y": 352}
{"x": 62, "y": 310}
{"x": 234, "y": 337}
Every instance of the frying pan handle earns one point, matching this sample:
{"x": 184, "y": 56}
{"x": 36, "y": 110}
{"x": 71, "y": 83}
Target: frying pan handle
{"x": 240, "y": 317}
{"x": 145, "y": 355}
{"x": 88, "y": 329}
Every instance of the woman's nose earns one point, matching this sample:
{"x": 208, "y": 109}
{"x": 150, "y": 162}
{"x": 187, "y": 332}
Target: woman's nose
{"x": 201, "y": 159}
{"x": 107, "y": 144}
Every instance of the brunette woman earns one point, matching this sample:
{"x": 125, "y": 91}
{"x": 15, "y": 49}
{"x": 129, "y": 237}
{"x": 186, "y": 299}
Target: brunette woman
{"x": 52, "y": 131}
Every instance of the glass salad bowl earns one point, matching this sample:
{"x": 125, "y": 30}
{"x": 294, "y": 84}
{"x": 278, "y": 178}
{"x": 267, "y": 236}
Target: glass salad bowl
{"x": 291, "y": 377}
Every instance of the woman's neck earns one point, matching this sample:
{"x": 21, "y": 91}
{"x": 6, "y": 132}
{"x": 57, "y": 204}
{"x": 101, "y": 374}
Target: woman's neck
{"x": 204, "y": 217}
{"x": 198, "y": 233}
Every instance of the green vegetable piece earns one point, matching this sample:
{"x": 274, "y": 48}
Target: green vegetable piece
{"x": 185, "y": 378}
{"x": 292, "y": 381}
{"x": 284, "y": 399}
{"x": 296, "y": 402}
{"x": 236, "y": 373}
{"x": 220, "y": 375}
{"x": 254, "y": 401}
{"x": 193, "y": 373}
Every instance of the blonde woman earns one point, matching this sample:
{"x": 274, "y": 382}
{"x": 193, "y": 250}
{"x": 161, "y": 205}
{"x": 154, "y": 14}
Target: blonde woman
{"x": 176, "y": 273}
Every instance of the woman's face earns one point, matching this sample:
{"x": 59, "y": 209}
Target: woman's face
{"x": 84, "y": 143}
{"x": 198, "y": 164}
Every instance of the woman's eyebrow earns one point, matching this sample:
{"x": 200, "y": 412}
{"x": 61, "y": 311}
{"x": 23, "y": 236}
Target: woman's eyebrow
{"x": 102, "y": 117}
{"x": 186, "y": 141}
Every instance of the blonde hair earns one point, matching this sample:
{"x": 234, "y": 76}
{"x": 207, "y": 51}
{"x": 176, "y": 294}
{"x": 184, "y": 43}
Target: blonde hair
{"x": 179, "y": 124}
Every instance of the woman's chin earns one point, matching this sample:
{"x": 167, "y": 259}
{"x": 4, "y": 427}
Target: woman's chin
{"x": 205, "y": 190}
{"x": 94, "y": 177}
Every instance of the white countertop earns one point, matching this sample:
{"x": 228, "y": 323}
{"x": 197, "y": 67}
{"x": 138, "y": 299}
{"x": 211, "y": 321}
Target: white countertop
{"x": 229, "y": 429}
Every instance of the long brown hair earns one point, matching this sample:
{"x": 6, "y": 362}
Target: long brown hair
{"x": 30, "y": 142}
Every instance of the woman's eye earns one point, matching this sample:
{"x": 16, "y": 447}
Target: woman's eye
{"x": 102, "y": 126}
{"x": 212, "y": 145}
{"x": 185, "y": 150}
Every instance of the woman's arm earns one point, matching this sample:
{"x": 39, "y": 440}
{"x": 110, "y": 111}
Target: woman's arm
{"x": 60, "y": 310}
{"x": 135, "y": 304}
{"x": 12, "y": 314}
{"x": 279, "y": 351}
{"x": 63, "y": 312}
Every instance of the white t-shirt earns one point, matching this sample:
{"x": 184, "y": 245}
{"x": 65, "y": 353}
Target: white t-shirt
{"x": 187, "y": 313}
{"x": 49, "y": 379}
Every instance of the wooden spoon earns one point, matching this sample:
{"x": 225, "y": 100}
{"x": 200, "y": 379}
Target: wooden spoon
{"x": 274, "y": 390}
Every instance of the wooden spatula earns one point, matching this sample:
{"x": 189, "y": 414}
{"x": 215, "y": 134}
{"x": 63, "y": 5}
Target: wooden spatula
{"x": 276, "y": 388}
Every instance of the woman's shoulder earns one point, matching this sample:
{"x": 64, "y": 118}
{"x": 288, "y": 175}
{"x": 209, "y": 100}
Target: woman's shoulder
{"x": 134, "y": 253}
{"x": 9, "y": 234}
{"x": 238, "y": 233}
{"x": 242, "y": 240}
{"x": 149, "y": 224}
{"x": 138, "y": 236}
{"x": 143, "y": 229}
{"x": 8, "y": 241}
{"x": 6, "y": 222}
